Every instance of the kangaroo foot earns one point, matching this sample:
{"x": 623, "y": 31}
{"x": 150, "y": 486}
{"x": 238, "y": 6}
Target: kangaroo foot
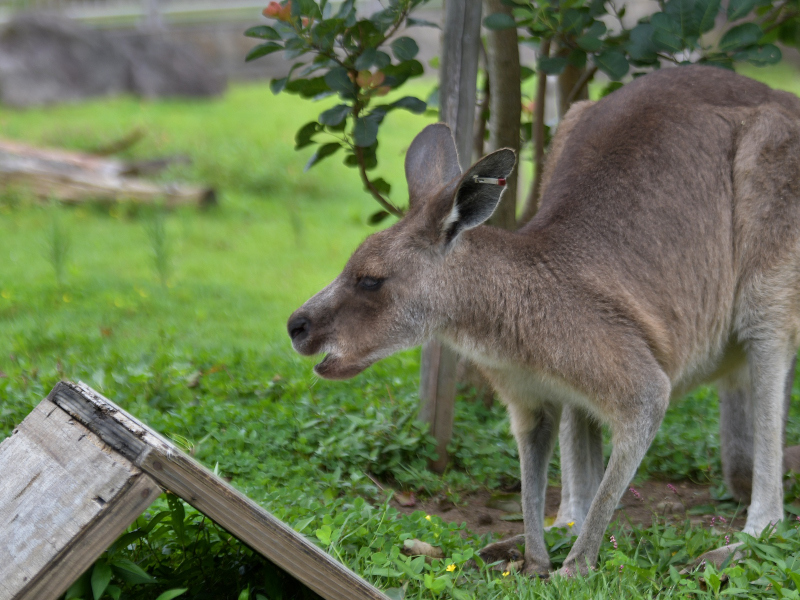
{"x": 506, "y": 552}
{"x": 717, "y": 557}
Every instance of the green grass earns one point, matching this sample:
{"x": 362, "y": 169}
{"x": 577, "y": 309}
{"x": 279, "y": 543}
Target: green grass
{"x": 180, "y": 318}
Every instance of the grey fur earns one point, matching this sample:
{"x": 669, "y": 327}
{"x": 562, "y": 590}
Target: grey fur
{"x": 666, "y": 254}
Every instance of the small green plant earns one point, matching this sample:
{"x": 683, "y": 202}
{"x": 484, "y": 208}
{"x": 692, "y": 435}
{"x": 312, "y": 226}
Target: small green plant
{"x": 57, "y": 244}
{"x": 160, "y": 245}
{"x": 358, "y": 59}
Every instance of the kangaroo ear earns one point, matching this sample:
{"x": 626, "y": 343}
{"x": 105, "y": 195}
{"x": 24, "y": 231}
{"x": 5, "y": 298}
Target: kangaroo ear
{"x": 479, "y": 192}
{"x": 431, "y": 162}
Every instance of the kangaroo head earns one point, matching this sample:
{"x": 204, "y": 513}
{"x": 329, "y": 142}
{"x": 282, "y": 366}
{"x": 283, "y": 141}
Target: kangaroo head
{"x": 392, "y": 293}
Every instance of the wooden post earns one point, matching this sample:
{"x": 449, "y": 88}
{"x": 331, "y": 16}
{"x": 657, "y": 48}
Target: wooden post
{"x": 505, "y": 108}
{"x": 457, "y": 95}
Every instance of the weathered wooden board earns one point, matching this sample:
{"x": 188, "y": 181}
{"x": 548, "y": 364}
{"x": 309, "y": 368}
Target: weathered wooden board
{"x": 74, "y": 177}
{"x": 212, "y": 496}
{"x": 65, "y": 497}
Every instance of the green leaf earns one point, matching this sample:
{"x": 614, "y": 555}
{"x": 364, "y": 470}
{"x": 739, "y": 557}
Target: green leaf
{"x": 264, "y": 32}
{"x": 170, "y": 594}
{"x": 706, "y": 14}
{"x": 101, "y": 577}
{"x": 114, "y": 592}
{"x": 295, "y": 47}
{"x": 365, "y": 131}
{"x": 768, "y": 54}
{"x": 574, "y": 20}
{"x": 308, "y": 88}
{"x": 684, "y": 13}
{"x": 322, "y": 152}
{"x": 324, "y": 534}
{"x": 346, "y": 9}
{"x": 377, "y": 217}
{"x": 577, "y": 58}
{"x": 412, "y": 22}
{"x": 499, "y": 21}
{"x": 263, "y": 50}
{"x": 740, "y": 8}
{"x": 305, "y": 135}
{"x": 130, "y": 572}
{"x": 590, "y": 40}
{"x": 789, "y": 33}
{"x": 613, "y": 63}
{"x": 411, "y": 104}
{"x": 404, "y": 48}
{"x": 640, "y": 44}
{"x": 372, "y": 57}
{"x": 339, "y": 81}
{"x": 740, "y": 36}
{"x": 525, "y": 73}
{"x": 612, "y": 86}
{"x": 554, "y": 65}
{"x": 177, "y": 517}
{"x": 278, "y": 85}
{"x": 666, "y": 33}
{"x": 79, "y": 589}
{"x": 383, "y": 186}
{"x": 334, "y": 116}
{"x": 396, "y": 75}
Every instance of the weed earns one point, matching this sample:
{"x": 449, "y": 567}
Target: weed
{"x": 57, "y": 244}
{"x": 160, "y": 245}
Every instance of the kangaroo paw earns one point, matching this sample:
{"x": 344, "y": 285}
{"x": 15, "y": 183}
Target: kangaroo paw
{"x": 506, "y": 552}
{"x": 717, "y": 557}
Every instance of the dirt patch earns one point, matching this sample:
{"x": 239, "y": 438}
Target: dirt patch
{"x": 489, "y": 512}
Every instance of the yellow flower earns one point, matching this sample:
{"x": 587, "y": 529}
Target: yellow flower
{"x": 506, "y": 573}
{"x": 571, "y": 524}
{"x": 450, "y": 567}
{"x": 427, "y": 517}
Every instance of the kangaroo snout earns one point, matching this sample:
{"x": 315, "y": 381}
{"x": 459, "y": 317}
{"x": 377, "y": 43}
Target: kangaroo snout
{"x": 298, "y": 327}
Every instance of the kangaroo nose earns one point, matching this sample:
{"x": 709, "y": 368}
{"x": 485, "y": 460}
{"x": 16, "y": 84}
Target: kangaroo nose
{"x": 298, "y": 328}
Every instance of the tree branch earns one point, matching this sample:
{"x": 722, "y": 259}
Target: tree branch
{"x": 362, "y": 169}
{"x": 532, "y": 203}
{"x": 578, "y": 87}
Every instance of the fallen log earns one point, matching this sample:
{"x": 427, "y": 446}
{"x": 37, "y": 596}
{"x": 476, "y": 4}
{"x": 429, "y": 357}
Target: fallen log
{"x": 76, "y": 177}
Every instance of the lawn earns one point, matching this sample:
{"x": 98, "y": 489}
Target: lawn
{"x": 180, "y": 318}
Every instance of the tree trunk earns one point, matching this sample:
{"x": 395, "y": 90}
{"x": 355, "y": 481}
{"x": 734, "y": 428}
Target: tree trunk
{"x": 505, "y": 107}
{"x": 567, "y": 92}
{"x": 457, "y": 93}
{"x": 532, "y": 203}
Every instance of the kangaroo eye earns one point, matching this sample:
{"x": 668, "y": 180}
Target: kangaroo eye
{"x": 370, "y": 283}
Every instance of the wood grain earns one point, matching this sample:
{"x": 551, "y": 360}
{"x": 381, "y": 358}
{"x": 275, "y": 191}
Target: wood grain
{"x": 198, "y": 486}
{"x": 65, "y": 497}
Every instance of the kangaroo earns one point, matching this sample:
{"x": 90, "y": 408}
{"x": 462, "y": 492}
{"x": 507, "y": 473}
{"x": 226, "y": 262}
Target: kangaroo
{"x": 665, "y": 254}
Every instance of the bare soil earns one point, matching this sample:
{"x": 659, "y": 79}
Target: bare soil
{"x": 692, "y": 501}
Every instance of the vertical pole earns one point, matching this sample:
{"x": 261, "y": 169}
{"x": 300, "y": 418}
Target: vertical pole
{"x": 457, "y": 95}
{"x": 505, "y": 107}
{"x": 153, "y": 20}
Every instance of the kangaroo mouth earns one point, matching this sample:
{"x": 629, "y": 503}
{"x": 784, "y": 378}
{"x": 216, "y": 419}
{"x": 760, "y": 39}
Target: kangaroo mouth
{"x": 334, "y": 367}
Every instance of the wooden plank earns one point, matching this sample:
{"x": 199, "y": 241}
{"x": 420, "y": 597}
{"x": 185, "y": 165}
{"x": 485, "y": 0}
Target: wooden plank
{"x": 84, "y": 549}
{"x": 458, "y": 93}
{"x": 212, "y": 496}
{"x": 65, "y": 497}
